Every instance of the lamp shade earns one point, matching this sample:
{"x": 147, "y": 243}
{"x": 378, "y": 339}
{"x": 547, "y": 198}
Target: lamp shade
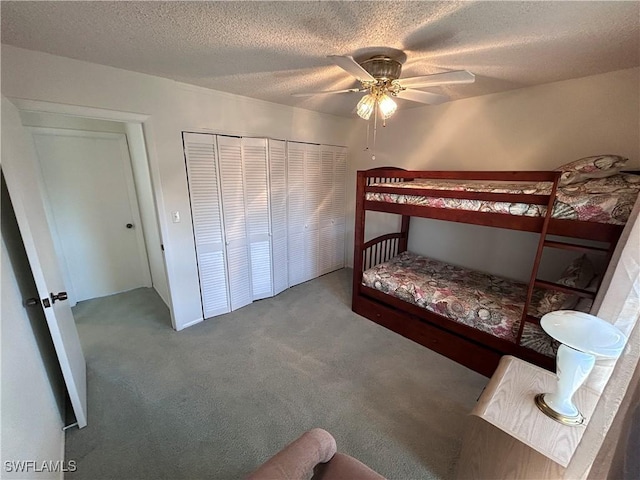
{"x": 387, "y": 105}
{"x": 366, "y": 106}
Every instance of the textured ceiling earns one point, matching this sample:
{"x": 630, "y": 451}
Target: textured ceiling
{"x": 268, "y": 50}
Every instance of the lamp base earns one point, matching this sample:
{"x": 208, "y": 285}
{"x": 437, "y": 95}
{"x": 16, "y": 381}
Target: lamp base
{"x": 558, "y": 417}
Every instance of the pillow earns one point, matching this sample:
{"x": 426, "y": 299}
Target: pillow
{"x": 578, "y": 274}
{"x": 584, "y": 304}
{"x": 599, "y": 166}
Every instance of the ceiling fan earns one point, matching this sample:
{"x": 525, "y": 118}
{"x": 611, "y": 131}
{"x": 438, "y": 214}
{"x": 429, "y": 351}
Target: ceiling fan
{"x": 379, "y": 75}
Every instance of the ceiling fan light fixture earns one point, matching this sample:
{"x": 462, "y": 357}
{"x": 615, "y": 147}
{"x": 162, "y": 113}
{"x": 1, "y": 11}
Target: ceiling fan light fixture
{"x": 387, "y": 106}
{"x": 366, "y": 106}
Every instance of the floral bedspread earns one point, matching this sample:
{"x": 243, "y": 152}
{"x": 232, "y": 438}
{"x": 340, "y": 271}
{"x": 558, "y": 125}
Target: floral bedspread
{"x": 480, "y": 300}
{"x": 602, "y": 200}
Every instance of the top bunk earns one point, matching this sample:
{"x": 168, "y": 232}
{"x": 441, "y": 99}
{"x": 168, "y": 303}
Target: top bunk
{"x": 588, "y": 208}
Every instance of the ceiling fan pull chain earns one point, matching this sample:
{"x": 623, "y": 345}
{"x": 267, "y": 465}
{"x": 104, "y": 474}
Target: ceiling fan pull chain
{"x": 367, "y": 147}
{"x": 375, "y": 130}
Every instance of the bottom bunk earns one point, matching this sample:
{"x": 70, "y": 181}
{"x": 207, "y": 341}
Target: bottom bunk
{"x": 469, "y": 316}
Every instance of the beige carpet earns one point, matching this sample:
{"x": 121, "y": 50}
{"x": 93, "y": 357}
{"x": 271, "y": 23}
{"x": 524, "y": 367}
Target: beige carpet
{"x": 217, "y": 399}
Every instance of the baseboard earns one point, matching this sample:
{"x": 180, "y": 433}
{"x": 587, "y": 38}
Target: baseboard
{"x": 189, "y": 324}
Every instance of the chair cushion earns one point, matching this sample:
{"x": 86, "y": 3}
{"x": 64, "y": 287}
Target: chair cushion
{"x": 344, "y": 467}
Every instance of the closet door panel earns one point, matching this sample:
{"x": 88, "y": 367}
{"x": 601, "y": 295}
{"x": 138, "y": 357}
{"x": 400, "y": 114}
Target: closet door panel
{"x": 313, "y": 186}
{"x": 338, "y": 206}
{"x": 326, "y": 184}
{"x": 338, "y": 246}
{"x": 312, "y": 253}
{"x": 312, "y": 190}
{"x": 327, "y": 249}
{"x": 339, "y": 185}
{"x": 235, "y": 220}
{"x": 256, "y": 182}
{"x": 325, "y": 259}
{"x": 296, "y": 260}
{"x": 296, "y": 211}
{"x": 204, "y": 194}
{"x": 278, "y": 197}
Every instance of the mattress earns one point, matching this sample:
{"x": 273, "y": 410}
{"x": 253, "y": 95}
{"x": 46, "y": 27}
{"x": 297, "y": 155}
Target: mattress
{"x": 486, "y": 302}
{"x": 602, "y": 200}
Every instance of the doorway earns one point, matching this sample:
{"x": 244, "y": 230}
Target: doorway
{"x": 100, "y": 204}
{"x": 91, "y": 194}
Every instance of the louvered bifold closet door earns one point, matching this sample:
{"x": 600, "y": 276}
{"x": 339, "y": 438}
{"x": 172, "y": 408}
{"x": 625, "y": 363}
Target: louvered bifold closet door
{"x": 278, "y": 191}
{"x": 256, "y": 183}
{"x": 327, "y": 237}
{"x": 312, "y": 187}
{"x": 296, "y": 212}
{"x": 235, "y": 223}
{"x": 338, "y": 206}
{"x": 204, "y": 194}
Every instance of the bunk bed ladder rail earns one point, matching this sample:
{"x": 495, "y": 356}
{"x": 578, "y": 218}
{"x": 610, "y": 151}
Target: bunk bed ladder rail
{"x": 554, "y": 177}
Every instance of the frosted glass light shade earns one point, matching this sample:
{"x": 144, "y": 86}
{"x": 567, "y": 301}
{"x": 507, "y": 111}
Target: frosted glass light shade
{"x": 387, "y": 106}
{"x": 366, "y": 106}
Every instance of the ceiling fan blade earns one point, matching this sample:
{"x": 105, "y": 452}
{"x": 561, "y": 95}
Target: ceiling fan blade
{"x": 422, "y": 97}
{"x": 349, "y": 65}
{"x": 325, "y": 92}
{"x": 446, "y": 78}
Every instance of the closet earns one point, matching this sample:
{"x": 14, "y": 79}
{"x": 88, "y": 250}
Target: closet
{"x": 267, "y": 214}
{"x": 316, "y": 185}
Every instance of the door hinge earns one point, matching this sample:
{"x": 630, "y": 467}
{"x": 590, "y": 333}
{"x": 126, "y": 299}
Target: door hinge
{"x": 162, "y": 247}
{"x": 46, "y": 303}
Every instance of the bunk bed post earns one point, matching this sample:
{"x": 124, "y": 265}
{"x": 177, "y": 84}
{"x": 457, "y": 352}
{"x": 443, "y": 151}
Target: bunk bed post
{"x": 358, "y": 234}
{"x": 404, "y": 229}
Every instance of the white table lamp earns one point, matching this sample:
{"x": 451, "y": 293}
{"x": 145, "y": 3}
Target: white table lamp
{"x": 583, "y": 337}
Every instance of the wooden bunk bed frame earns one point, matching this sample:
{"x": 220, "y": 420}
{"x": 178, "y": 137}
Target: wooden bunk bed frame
{"x": 466, "y": 345}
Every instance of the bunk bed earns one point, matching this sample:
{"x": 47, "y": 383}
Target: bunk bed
{"x": 472, "y": 317}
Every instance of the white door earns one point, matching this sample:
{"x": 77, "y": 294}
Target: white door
{"x": 92, "y": 199}
{"x": 235, "y": 220}
{"x": 278, "y": 193}
{"x": 296, "y": 212}
{"x": 325, "y": 261}
{"x": 204, "y": 194}
{"x": 339, "y": 200}
{"x": 256, "y": 183}
{"x": 312, "y": 199}
{"x": 19, "y": 165}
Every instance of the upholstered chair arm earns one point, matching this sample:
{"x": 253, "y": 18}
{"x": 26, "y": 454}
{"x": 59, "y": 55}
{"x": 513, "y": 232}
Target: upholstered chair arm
{"x": 298, "y": 459}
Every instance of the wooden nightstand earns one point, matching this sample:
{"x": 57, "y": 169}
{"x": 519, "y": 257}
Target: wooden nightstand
{"x": 507, "y": 436}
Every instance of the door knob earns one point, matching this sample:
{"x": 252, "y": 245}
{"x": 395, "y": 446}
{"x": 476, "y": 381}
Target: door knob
{"x": 31, "y": 302}
{"x": 60, "y": 296}
{"x": 129, "y": 225}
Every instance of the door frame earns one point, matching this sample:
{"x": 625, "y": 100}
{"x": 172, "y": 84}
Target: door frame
{"x": 143, "y": 120}
{"x": 131, "y": 193}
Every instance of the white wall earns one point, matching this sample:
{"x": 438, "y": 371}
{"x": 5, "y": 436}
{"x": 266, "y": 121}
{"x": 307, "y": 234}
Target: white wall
{"x": 172, "y": 107}
{"x": 148, "y": 211}
{"x": 533, "y": 128}
{"x": 32, "y": 389}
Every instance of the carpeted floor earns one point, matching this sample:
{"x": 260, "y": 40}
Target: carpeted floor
{"x": 217, "y": 399}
